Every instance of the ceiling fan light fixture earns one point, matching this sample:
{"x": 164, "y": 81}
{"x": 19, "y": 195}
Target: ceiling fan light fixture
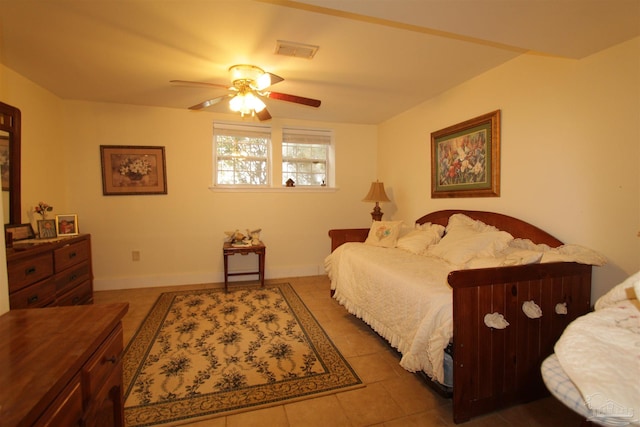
{"x": 254, "y": 103}
{"x": 248, "y": 86}
{"x": 263, "y": 82}
{"x": 242, "y": 75}
{"x": 246, "y": 103}
{"x": 236, "y": 102}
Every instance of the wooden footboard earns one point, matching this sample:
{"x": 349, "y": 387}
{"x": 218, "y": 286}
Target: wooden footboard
{"x": 495, "y": 368}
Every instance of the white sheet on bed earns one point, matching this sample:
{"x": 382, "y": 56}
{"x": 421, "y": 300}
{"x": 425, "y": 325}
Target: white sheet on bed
{"x": 409, "y": 305}
{"x": 600, "y": 353}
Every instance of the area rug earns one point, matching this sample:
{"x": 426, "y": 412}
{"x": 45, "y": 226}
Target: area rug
{"x": 206, "y": 353}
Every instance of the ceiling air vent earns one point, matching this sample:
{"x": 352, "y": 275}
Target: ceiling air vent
{"x": 297, "y": 50}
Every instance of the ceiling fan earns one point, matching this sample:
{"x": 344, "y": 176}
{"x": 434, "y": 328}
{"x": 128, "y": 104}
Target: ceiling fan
{"x": 248, "y": 84}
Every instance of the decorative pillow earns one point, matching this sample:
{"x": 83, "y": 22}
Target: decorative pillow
{"x": 467, "y": 238}
{"x": 384, "y": 233}
{"x": 420, "y": 238}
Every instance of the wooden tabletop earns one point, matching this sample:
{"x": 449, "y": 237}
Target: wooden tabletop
{"x": 42, "y": 349}
{"x": 229, "y": 248}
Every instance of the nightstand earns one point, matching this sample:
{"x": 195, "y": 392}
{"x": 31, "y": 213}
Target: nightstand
{"x": 228, "y": 250}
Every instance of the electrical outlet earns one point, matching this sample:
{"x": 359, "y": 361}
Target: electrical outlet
{"x": 135, "y": 256}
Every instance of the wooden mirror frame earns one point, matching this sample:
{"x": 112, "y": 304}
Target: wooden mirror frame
{"x": 10, "y": 121}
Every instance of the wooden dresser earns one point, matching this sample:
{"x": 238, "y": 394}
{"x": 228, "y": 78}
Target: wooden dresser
{"x": 57, "y": 272}
{"x": 62, "y": 366}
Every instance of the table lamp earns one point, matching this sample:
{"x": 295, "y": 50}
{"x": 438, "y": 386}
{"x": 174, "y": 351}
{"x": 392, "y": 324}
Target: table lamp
{"x": 376, "y": 195}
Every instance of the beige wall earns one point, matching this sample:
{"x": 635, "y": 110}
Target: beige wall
{"x": 179, "y": 235}
{"x": 570, "y": 151}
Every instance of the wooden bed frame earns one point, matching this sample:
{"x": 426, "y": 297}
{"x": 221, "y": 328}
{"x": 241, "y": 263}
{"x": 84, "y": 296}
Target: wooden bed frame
{"x": 495, "y": 368}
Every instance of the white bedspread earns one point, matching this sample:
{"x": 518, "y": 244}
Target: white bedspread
{"x": 600, "y": 353}
{"x": 410, "y": 305}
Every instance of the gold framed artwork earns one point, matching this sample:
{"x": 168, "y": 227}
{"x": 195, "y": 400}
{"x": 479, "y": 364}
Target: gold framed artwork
{"x": 465, "y": 158}
{"x": 133, "y": 170}
{"x": 67, "y": 225}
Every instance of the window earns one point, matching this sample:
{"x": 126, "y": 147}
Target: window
{"x": 258, "y": 156}
{"x": 305, "y": 156}
{"x": 241, "y": 155}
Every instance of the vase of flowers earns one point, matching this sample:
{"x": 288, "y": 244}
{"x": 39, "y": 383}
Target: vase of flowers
{"x": 42, "y": 208}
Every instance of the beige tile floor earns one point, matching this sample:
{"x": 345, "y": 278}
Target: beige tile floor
{"x": 392, "y": 397}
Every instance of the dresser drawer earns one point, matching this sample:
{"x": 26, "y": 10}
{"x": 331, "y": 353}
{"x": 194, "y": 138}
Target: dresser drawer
{"x": 81, "y": 294}
{"x": 66, "y": 410}
{"x": 103, "y": 362}
{"x": 39, "y": 294}
{"x": 72, "y": 277}
{"x": 26, "y": 271}
{"x": 71, "y": 254}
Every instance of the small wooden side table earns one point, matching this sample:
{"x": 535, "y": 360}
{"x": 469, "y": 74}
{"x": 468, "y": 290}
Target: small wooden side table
{"x": 228, "y": 249}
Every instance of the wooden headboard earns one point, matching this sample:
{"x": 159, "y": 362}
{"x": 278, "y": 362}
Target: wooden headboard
{"x": 514, "y": 226}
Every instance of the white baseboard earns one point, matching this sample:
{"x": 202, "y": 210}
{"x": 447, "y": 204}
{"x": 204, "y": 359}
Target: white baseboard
{"x": 133, "y": 282}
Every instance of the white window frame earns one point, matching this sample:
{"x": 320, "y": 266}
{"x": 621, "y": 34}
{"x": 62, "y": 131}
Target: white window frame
{"x": 274, "y": 159}
{"x": 242, "y": 130}
{"x": 302, "y": 136}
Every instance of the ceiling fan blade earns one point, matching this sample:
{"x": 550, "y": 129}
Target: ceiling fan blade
{"x": 208, "y": 103}
{"x": 275, "y": 79}
{"x": 263, "y": 115}
{"x": 293, "y": 98}
{"x": 196, "y": 84}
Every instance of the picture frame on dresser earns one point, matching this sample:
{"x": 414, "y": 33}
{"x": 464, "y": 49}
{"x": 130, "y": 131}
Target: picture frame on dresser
{"x": 465, "y": 158}
{"x": 47, "y": 229}
{"x": 20, "y": 231}
{"x": 67, "y": 225}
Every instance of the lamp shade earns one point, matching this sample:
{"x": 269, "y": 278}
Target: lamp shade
{"x": 376, "y": 193}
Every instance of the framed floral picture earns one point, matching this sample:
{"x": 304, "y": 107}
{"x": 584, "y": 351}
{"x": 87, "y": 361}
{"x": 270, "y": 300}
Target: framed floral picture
{"x": 465, "y": 158}
{"x": 67, "y": 225}
{"x": 133, "y": 170}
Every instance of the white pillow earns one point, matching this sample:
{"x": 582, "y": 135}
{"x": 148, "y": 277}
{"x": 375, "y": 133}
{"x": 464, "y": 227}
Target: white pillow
{"x": 522, "y": 257}
{"x": 459, "y": 222}
{"x": 506, "y": 258}
{"x": 485, "y": 263}
{"x": 467, "y": 238}
{"x": 384, "y": 233}
{"x": 459, "y": 250}
{"x": 418, "y": 240}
